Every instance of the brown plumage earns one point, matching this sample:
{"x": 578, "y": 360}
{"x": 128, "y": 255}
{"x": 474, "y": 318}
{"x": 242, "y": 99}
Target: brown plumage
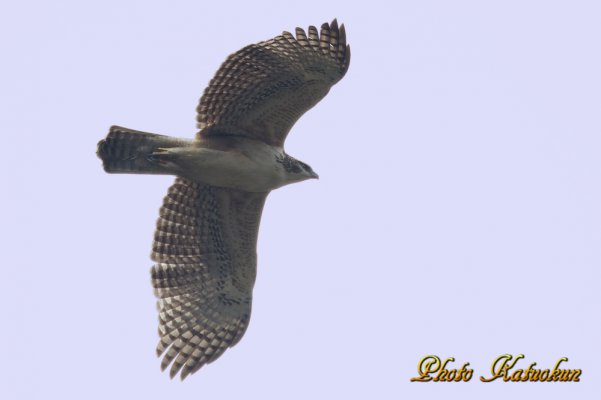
{"x": 263, "y": 89}
{"x": 205, "y": 249}
{"x": 205, "y": 242}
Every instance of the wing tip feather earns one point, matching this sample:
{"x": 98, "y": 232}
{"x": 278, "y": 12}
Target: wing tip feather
{"x": 329, "y": 40}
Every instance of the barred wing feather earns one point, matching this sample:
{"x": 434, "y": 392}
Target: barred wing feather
{"x": 205, "y": 253}
{"x": 263, "y": 89}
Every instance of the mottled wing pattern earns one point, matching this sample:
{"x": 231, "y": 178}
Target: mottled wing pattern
{"x": 205, "y": 253}
{"x": 263, "y": 89}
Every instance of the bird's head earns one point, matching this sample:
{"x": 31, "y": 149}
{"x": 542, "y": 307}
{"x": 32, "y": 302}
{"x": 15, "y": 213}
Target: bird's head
{"x": 307, "y": 171}
{"x": 296, "y": 170}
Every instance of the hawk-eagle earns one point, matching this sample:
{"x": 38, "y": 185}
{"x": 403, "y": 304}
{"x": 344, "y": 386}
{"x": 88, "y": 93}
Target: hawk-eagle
{"x": 205, "y": 241}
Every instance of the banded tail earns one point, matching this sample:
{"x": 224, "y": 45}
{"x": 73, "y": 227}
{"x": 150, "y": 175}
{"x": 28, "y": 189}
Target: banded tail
{"x": 131, "y": 152}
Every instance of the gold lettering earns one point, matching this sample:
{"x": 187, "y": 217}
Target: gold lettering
{"x": 426, "y": 366}
{"x": 517, "y": 375}
{"x": 575, "y": 376}
{"x": 497, "y": 372}
{"x": 535, "y": 376}
{"x": 431, "y": 368}
{"x": 529, "y": 372}
{"x": 556, "y": 371}
{"x": 515, "y": 360}
{"x": 452, "y": 376}
{"x": 500, "y": 367}
{"x": 432, "y": 364}
{"x": 565, "y": 375}
{"x": 442, "y": 375}
{"x": 468, "y": 373}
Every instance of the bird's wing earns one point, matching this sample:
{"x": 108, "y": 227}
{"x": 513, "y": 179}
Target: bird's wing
{"x": 205, "y": 253}
{"x": 263, "y": 89}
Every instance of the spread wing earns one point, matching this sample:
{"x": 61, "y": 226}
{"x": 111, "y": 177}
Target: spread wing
{"x": 205, "y": 253}
{"x": 263, "y": 89}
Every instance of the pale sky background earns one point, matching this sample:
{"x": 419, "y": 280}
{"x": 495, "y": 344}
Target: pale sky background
{"x": 457, "y": 214}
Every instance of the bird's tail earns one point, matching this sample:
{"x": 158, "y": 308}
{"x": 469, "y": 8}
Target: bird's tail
{"x": 133, "y": 152}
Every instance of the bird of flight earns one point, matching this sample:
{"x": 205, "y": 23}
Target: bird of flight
{"x": 205, "y": 241}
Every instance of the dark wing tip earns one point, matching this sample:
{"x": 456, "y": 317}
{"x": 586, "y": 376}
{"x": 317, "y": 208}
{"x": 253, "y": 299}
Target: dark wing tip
{"x": 330, "y": 40}
{"x": 172, "y": 372}
{"x": 342, "y": 35}
{"x": 301, "y": 37}
{"x": 347, "y": 59}
{"x": 313, "y": 36}
{"x": 185, "y": 372}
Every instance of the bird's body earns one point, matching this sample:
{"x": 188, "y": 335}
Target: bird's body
{"x": 205, "y": 243}
{"x": 233, "y": 162}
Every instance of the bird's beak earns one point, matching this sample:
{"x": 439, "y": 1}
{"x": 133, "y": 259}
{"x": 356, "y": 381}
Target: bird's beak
{"x": 314, "y": 175}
